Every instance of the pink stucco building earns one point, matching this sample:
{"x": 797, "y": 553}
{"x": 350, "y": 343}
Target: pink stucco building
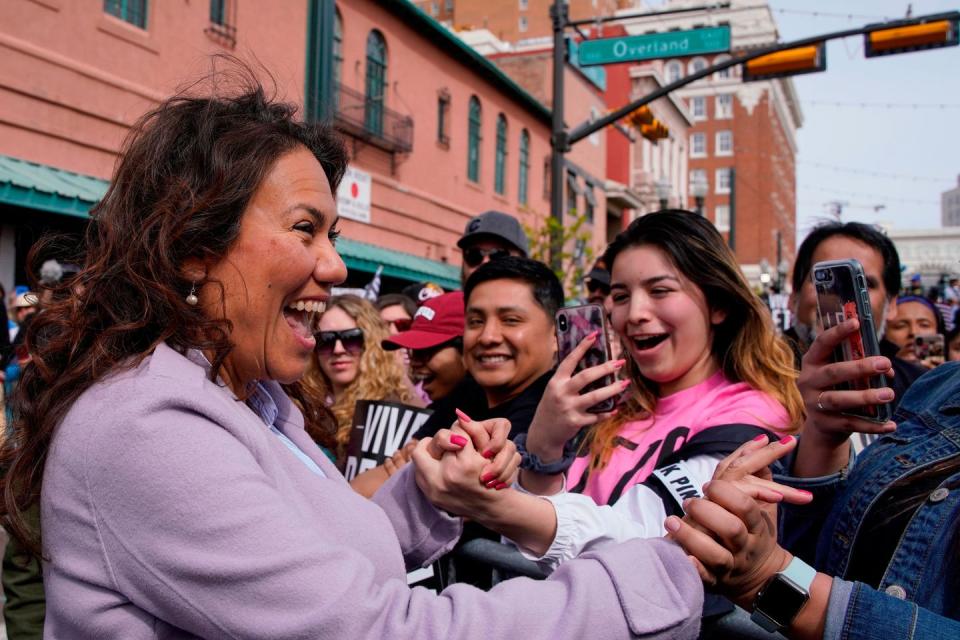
{"x": 437, "y": 133}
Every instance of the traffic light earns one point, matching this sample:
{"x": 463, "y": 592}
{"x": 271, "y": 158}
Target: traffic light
{"x": 930, "y": 32}
{"x": 654, "y": 131}
{"x": 640, "y": 117}
{"x": 789, "y": 62}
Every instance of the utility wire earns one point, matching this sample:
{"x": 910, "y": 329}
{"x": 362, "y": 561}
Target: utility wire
{"x": 868, "y": 196}
{"x": 874, "y": 174}
{"x": 880, "y": 105}
{"x": 828, "y": 14}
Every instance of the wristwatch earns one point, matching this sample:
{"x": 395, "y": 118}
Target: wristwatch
{"x": 781, "y": 599}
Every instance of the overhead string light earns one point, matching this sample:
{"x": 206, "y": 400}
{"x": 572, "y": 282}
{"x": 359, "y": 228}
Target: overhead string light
{"x": 881, "y": 105}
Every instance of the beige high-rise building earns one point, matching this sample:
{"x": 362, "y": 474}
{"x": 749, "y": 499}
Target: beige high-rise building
{"x": 950, "y": 206}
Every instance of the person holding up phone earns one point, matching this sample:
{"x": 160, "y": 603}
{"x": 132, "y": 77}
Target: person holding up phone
{"x": 878, "y": 544}
{"x": 917, "y": 326}
{"x": 705, "y": 372}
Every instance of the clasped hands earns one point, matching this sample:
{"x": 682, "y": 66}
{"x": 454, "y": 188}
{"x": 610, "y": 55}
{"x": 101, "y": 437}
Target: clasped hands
{"x": 460, "y": 469}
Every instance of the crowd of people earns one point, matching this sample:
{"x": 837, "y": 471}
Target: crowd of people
{"x": 185, "y": 406}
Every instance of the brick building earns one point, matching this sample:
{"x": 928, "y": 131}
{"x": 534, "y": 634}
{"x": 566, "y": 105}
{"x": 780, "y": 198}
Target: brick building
{"x": 743, "y": 130}
{"x": 436, "y": 132}
{"x": 720, "y": 127}
{"x": 513, "y": 20}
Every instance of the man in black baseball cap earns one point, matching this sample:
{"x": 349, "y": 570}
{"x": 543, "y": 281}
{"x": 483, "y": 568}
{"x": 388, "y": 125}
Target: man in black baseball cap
{"x": 488, "y": 236}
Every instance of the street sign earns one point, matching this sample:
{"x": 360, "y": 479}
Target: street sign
{"x": 672, "y": 44}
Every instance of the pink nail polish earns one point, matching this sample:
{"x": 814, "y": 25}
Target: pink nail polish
{"x": 625, "y": 383}
{"x": 487, "y": 477}
{"x": 759, "y": 438}
{"x": 492, "y": 484}
{"x": 462, "y": 416}
{"x": 459, "y": 441}
{"x": 488, "y": 454}
{"x": 806, "y": 493}
{"x": 786, "y": 439}
{"x": 502, "y": 485}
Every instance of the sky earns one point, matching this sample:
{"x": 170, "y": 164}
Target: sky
{"x": 888, "y": 163}
{"x": 879, "y": 135}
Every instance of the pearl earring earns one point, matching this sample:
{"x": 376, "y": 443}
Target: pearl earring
{"x": 192, "y": 299}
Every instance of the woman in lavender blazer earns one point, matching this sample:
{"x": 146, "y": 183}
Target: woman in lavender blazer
{"x": 180, "y": 495}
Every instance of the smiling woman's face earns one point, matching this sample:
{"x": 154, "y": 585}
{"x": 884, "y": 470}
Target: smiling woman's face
{"x": 663, "y": 319}
{"x": 277, "y": 274}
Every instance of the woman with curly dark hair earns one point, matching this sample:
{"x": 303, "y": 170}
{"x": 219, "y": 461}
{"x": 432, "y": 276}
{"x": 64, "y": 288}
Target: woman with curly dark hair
{"x": 180, "y": 495}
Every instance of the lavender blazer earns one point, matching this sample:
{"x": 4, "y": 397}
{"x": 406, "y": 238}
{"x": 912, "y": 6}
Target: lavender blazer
{"x": 170, "y": 511}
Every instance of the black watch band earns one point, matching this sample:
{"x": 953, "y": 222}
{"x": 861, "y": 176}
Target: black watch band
{"x": 531, "y": 462}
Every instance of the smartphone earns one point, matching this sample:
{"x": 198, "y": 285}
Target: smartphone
{"x": 842, "y": 294}
{"x": 573, "y": 325}
{"x": 931, "y": 346}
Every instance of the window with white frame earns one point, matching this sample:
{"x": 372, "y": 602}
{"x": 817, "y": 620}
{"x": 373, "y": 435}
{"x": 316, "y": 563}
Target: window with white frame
{"x": 724, "y": 106}
{"x": 725, "y": 73}
{"x": 724, "y": 143}
{"x": 723, "y": 180}
{"x": 697, "y": 64}
{"x": 674, "y": 71}
{"x": 721, "y": 217}
{"x": 698, "y": 145}
{"x": 697, "y": 176}
{"x": 698, "y": 108}
{"x": 523, "y": 24}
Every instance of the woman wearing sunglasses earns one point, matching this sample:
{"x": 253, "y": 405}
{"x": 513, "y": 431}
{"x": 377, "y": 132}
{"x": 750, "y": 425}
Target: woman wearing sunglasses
{"x": 349, "y": 363}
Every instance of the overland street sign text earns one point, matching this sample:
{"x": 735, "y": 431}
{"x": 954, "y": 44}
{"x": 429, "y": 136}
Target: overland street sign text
{"x": 672, "y": 44}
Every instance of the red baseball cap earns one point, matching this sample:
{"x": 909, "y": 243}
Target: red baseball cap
{"x": 436, "y": 321}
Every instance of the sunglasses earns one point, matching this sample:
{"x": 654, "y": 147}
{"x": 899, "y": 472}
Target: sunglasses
{"x": 351, "y": 339}
{"x": 593, "y": 286}
{"x": 401, "y": 324}
{"x": 474, "y": 256}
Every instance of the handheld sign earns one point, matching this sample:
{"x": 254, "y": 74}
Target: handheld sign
{"x": 379, "y": 429}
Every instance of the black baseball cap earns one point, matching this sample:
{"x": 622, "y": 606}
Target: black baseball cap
{"x": 495, "y": 224}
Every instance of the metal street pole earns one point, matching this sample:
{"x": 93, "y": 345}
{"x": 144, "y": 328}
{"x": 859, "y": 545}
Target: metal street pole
{"x": 558, "y": 135}
{"x": 732, "y": 234}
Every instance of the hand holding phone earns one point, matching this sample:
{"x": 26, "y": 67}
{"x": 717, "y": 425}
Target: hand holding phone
{"x": 584, "y": 387}
{"x": 929, "y": 349}
{"x": 574, "y": 324}
{"x": 842, "y": 295}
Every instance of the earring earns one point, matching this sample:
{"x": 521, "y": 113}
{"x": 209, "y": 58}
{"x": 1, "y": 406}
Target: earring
{"x": 192, "y": 299}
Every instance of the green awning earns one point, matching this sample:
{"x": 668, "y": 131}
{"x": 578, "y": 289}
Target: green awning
{"x": 36, "y": 186}
{"x": 360, "y": 256}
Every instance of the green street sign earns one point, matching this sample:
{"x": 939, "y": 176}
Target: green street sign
{"x": 672, "y": 44}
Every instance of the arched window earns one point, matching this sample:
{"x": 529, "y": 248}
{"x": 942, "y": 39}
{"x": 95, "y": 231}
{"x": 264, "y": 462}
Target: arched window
{"x": 337, "y": 57}
{"x": 674, "y": 71}
{"x": 473, "y": 140}
{"x": 524, "y": 167}
{"x": 376, "y": 83}
{"x": 500, "y": 159}
{"x": 726, "y": 73}
{"x": 697, "y": 64}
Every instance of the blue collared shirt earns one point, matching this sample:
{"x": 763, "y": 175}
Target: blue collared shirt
{"x": 262, "y": 404}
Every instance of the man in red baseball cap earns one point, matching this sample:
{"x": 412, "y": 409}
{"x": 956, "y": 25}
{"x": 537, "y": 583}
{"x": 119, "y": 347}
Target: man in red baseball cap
{"x": 435, "y": 341}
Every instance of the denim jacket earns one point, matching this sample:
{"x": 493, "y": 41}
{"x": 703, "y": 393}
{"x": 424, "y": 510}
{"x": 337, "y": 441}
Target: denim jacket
{"x": 919, "y": 596}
